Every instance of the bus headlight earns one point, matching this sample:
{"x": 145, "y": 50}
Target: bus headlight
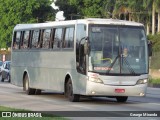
{"x": 97, "y": 80}
{"x": 94, "y": 77}
{"x": 142, "y": 81}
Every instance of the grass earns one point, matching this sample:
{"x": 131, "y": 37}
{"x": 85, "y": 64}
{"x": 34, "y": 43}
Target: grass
{"x": 154, "y": 81}
{"x": 48, "y": 116}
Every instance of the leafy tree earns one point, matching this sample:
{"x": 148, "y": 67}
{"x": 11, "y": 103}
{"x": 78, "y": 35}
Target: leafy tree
{"x": 155, "y": 42}
{"x": 74, "y": 9}
{"x": 71, "y": 8}
{"x": 157, "y": 4}
{"x": 14, "y": 12}
{"x": 93, "y": 8}
{"x": 109, "y": 6}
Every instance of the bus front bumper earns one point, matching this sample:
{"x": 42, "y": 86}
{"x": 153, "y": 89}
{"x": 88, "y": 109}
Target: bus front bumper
{"x": 98, "y": 89}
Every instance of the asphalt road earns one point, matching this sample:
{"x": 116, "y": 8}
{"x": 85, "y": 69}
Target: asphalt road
{"x": 13, "y": 96}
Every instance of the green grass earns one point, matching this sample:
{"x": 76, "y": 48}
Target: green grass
{"x": 154, "y": 81}
{"x": 48, "y": 116}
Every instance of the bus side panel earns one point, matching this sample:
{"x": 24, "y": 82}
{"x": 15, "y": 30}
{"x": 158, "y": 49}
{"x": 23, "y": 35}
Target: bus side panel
{"x": 16, "y": 70}
{"x": 79, "y": 82}
{"x": 47, "y": 70}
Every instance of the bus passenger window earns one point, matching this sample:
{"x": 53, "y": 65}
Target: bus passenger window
{"x": 46, "y": 38}
{"x": 25, "y": 40}
{"x": 69, "y": 37}
{"x": 17, "y": 36}
{"x": 35, "y": 39}
{"x": 57, "y": 38}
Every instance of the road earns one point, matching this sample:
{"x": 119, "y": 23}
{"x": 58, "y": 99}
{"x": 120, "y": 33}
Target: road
{"x": 13, "y": 96}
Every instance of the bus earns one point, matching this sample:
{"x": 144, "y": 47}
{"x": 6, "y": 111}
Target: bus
{"x": 90, "y": 57}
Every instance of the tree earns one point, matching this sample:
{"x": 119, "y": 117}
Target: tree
{"x": 14, "y": 12}
{"x": 148, "y": 7}
{"x": 71, "y": 8}
{"x": 74, "y": 9}
{"x": 157, "y": 4}
{"x": 109, "y": 8}
{"x": 93, "y": 8}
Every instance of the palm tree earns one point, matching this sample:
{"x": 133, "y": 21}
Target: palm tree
{"x": 157, "y": 4}
{"x": 153, "y": 17}
{"x": 155, "y": 8}
{"x": 109, "y": 8}
{"x": 147, "y": 4}
{"x": 121, "y": 9}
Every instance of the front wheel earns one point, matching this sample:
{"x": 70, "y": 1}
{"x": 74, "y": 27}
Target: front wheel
{"x": 8, "y": 78}
{"x": 69, "y": 92}
{"x": 1, "y": 78}
{"x": 29, "y": 91}
{"x": 121, "y": 98}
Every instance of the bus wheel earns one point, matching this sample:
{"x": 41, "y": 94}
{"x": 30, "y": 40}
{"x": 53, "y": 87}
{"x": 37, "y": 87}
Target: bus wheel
{"x": 1, "y": 78}
{"x": 69, "y": 92}
{"x": 28, "y": 90}
{"x": 122, "y": 98}
{"x": 8, "y": 78}
{"x": 37, "y": 92}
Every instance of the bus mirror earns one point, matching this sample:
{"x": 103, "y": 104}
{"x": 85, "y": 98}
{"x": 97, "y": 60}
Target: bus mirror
{"x": 86, "y": 46}
{"x": 149, "y": 48}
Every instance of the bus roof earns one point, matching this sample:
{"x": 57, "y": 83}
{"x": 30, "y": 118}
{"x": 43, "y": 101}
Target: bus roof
{"x": 72, "y": 22}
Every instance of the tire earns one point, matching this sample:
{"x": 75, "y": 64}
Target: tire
{"x": 69, "y": 92}
{"x": 2, "y": 79}
{"x": 8, "y": 78}
{"x": 37, "y": 92}
{"x": 122, "y": 99}
{"x": 29, "y": 91}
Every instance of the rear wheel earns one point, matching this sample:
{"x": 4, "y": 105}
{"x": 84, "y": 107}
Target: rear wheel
{"x": 122, "y": 98}
{"x": 69, "y": 92}
{"x": 29, "y": 91}
{"x": 37, "y": 92}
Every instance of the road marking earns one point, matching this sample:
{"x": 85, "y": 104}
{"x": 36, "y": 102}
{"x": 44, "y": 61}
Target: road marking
{"x": 154, "y": 103}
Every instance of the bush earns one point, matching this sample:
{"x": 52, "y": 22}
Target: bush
{"x": 154, "y": 63}
{"x": 155, "y": 42}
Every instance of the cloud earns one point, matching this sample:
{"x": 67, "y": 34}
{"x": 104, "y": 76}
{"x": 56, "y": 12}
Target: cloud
{"x": 54, "y": 6}
{"x": 59, "y": 14}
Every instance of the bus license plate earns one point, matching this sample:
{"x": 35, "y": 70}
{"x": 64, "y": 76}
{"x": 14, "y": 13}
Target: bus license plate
{"x": 120, "y": 90}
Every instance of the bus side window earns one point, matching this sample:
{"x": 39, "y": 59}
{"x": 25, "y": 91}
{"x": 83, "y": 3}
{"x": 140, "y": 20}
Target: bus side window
{"x": 57, "y": 38}
{"x": 35, "y": 39}
{"x": 52, "y": 38}
{"x": 16, "y": 42}
{"x": 25, "y": 40}
{"x": 46, "y": 38}
{"x": 69, "y": 38}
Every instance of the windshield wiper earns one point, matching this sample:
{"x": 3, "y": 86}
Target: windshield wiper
{"x": 131, "y": 70}
{"x": 113, "y": 63}
{"x": 129, "y": 66}
{"x": 122, "y": 58}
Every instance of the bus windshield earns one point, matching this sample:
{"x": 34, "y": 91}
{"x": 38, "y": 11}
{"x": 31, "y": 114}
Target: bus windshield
{"x": 118, "y": 50}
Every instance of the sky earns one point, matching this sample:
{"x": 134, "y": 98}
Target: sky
{"x": 59, "y": 14}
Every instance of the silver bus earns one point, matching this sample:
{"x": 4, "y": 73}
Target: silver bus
{"x": 85, "y": 57}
